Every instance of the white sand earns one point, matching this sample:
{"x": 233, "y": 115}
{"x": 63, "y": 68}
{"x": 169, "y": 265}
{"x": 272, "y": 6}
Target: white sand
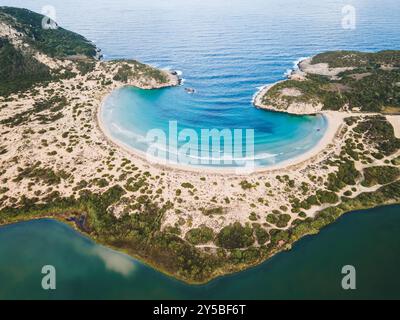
{"x": 395, "y": 121}
{"x": 334, "y": 118}
{"x": 335, "y": 121}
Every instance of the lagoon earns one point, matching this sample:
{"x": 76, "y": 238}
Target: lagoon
{"x": 369, "y": 240}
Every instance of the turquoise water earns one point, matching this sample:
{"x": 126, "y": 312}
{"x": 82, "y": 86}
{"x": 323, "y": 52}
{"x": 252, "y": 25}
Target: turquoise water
{"x": 368, "y": 240}
{"x": 225, "y": 50}
{"x": 128, "y": 114}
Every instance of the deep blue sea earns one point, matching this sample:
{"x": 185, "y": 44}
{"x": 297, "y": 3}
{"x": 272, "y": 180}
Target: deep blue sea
{"x": 226, "y": 50}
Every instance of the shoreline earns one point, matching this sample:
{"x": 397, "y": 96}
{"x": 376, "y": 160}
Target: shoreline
{"x": 334, "y": 123}
{"x": 217, "y": 275}
{"x": 334, "y": 119}
{"x": 296, "y": 72}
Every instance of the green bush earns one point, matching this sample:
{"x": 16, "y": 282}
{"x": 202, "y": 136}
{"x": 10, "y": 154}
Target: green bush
{"x": 380, "y": 175}
{"x": 200, "y": 235}
{"x": 235, "y": 236}
{"x": 327, "y": 197}
{"x": 262, "y": 235}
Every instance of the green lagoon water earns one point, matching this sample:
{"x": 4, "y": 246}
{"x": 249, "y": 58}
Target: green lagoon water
{"x": 368, "y": 240}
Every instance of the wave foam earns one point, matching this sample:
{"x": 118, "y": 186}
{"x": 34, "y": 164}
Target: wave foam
{"x": 295, "y": 66}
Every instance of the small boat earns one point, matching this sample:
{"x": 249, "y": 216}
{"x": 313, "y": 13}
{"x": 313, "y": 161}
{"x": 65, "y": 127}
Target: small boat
{"x": 190, "y": 90}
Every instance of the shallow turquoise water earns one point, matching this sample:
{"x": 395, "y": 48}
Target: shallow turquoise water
{"x": 129, "y": 113}
{"x": 368, "y": 240}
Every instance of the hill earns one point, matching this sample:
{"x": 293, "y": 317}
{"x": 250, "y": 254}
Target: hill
{"x": 339, "y": 80}
{"x": 31, "y": 56}
{"x": 57, "y": 43}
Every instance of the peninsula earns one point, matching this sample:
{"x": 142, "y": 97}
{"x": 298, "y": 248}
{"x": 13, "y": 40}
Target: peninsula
{"x": 56, "y": 161}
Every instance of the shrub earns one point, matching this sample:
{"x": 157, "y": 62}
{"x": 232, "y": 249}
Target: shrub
{"x": 380, "y": 175}
{"x": 235, "y": 236}
{"x": 200, "y": 235}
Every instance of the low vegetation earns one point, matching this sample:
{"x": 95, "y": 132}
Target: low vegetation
{"x": 371, "y": 85}
{"x": 200, "y": 235}
{"x": 132, "y": 70}
{"x": 235, "y": 236}
{"x": 380, "y": 175}
{"x": 59, "y": 43}
{"x": 19, "y": 71}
